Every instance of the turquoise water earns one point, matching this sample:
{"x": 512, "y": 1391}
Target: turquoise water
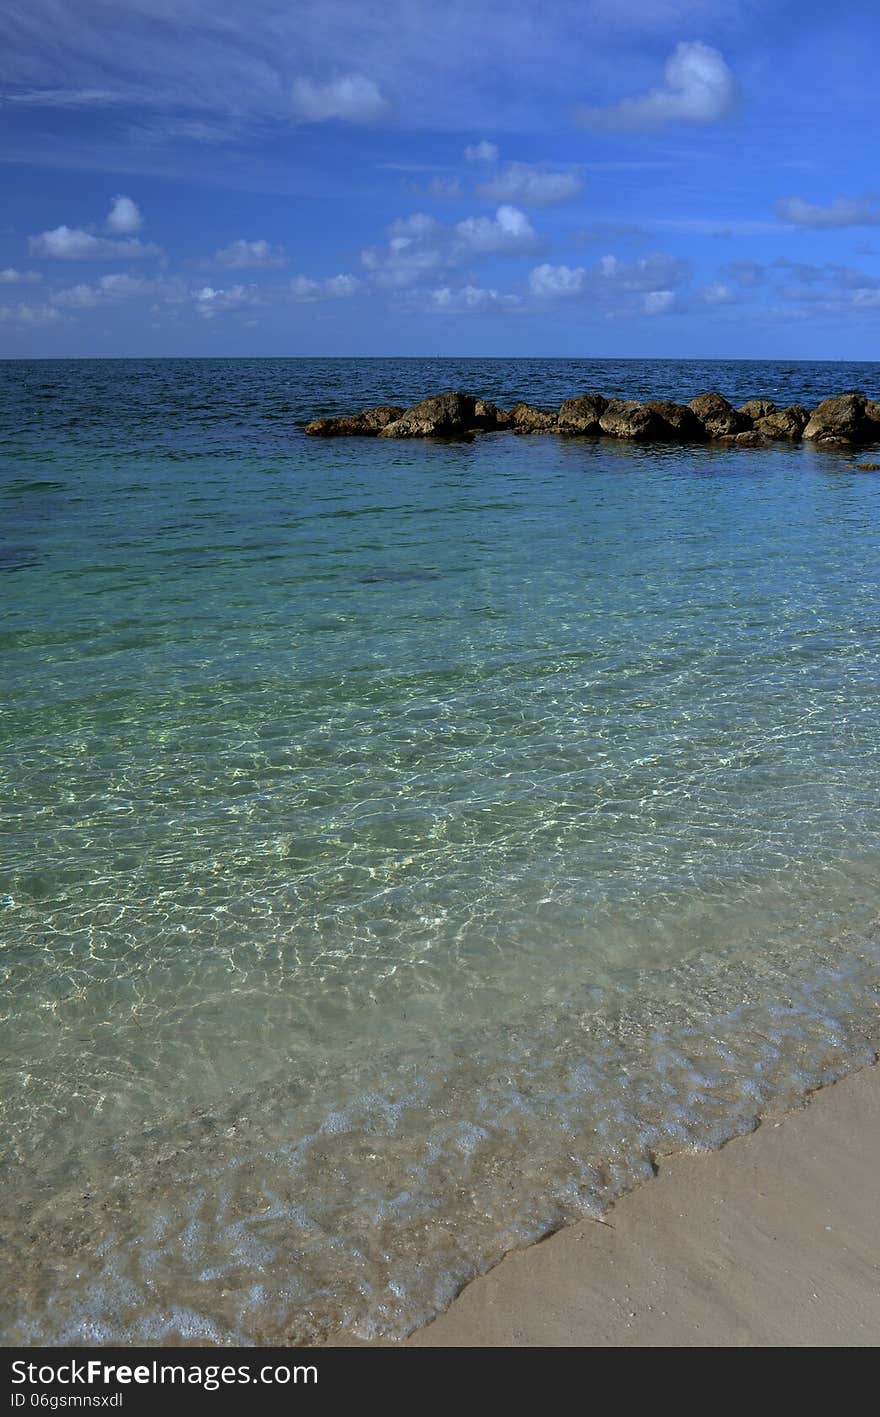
{"x": 404, "y": 844}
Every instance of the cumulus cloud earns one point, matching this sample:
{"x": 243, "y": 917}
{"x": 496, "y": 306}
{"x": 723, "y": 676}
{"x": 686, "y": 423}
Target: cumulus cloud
{"x": 124, "y": 218}
{"x": 209, "y": 301}
{"x": 509, "y": 230}
{"x": 550, "y": 282}
{"x": 114, "y": 288}
{"x": 249, "y": 255}
{"x": 304, "y": 289}
{"x": 717, "y": 293}
{"x": 469, "y": 300}
{"x": 647, "y": 285}
{"x": 699, "y": 88}
{"x": 421, "y": 248}
{"x": 351, "y": 98}
{"x": 481, "y": 152}
{"x": 843, "y": 211}
{"x": 10, "y": 276}
{"x": 28, "y": 315}
{"x": 72, "y": 243}
{"x": 658, "y": 302}
{"x": 531, "y": 186}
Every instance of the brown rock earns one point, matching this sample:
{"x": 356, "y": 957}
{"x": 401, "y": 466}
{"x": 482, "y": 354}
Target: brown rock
{"x": 489, "y": 417}
{"x": 627, "y": 418}
{"x": 359, "y": 425}
{"x": 843, "y": 419}
{"x": 678, "y": 420}
{"x": 582, "y": 415}
{"x": 448, "y": 415}
{"x": 757, "y": 408}
{"x": 718, "y": 417}
{"x": 526, "y": 419}
{"x": 786, "y": 423}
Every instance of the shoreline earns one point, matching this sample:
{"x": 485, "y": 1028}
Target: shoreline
{"x": 773, "y": 1240}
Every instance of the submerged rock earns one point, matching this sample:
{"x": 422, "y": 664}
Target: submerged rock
{"x": 582, "y": 415}
{"x": 784, "y": 423}
{"x": 718, "y": 417}
{"x": 749, "y": 438}
{"x": 364, "y": 425}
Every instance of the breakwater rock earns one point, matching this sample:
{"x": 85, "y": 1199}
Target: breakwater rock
{"x": 846, "y": 420}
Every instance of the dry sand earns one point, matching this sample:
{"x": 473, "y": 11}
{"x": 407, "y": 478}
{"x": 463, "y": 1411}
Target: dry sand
{"x": 772, "y": 1241}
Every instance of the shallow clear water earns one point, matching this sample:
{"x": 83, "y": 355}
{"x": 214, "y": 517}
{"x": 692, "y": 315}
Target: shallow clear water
{"x": 404, "y": 843}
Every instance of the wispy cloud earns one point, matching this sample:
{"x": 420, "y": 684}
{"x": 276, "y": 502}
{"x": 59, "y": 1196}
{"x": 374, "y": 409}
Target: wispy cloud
{"x": 305, "y": 290}
{"x": 699, "y": 89}
{"x": 353, "y": 98}
{"x": 250, "y": 255}
{"x": 72, "y": 243}
{"x": 28, "y": 316}
{"x": 481, "y": 152}
{"x": 531, "y": 186}
{"x": 843, "y": 211}
{"x": 10, "y": 276}
{"x": 112, "y": 289}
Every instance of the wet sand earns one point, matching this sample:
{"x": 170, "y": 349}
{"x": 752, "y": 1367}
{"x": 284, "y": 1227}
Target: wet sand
{"x": 772, "y": 1241}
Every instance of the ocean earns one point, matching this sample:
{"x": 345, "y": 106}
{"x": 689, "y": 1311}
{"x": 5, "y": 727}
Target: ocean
{"x": 405, "y": 844}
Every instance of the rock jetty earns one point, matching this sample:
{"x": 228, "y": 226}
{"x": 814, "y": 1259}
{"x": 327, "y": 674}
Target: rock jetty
{"x": 846, "y": 420}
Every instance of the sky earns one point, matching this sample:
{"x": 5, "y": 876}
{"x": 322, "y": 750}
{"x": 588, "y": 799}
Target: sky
{"x": 585, "y": 178}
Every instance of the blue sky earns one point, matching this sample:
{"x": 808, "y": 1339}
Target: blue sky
{"x": 693, "y": 178}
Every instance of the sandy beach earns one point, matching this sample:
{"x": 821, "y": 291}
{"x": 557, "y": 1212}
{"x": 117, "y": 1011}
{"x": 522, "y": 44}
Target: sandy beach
{"x": 774, "y": 1241}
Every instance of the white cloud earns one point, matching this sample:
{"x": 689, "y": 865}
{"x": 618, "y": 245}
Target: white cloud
{"x": 531, "y": 186}
{"x": 12, "y": 277}
{"x": 646, "y": 285}
{"x": 418, "y": 246}
{"x": 717, "y": 293}
{"x": 481, "y": 152}
{"x": 509, "y": 230}
{"x": 550, "y": 282}
{"x": 72, "y": 243}
{"x": 446, "y": 189}
{"x": 124, "y": 218}
{"x": 305, "y": 289}
{"x": 647, "y": 273}
{"x": 843, "y": 211}
{"x": 700, "y": 88}
{"x": 658, "y": 302}
{"x": 469, "y": 300}
{"x": 113, "y": 288}
{"x": 28, "y": 315}
{"x": 210, "y": 301}
{"x": 351, "y": 98}
{"x": 421, "y": 247}
{"x": 249, "y": 255}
